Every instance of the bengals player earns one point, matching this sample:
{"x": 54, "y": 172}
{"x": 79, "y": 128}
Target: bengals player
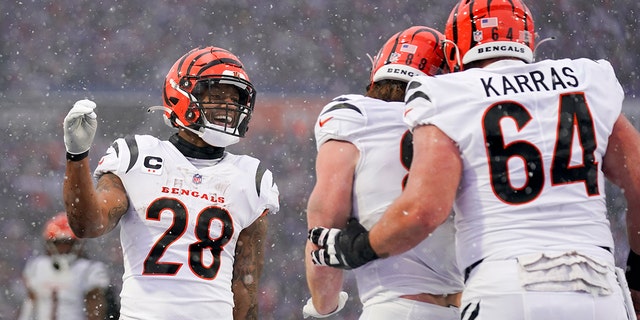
{"x": 521, "y": 150}
{"x": 364, "y": 153}
{"x": 192, "y": 215}
{"x": 63, "y": 283}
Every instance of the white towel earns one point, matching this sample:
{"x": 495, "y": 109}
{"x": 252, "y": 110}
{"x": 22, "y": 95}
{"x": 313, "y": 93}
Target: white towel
{"x": 564, "y": 272}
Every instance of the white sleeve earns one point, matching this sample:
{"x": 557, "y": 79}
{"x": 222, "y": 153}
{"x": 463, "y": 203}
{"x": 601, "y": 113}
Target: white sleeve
{"x": 96, "y": 276}
{"x": 269, "y": 192}
{"x": 419, "y": 104}
{"x": 111, "y": 161}
{"x": 338, "y": 120}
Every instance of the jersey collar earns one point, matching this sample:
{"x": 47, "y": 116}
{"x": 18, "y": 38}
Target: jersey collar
{"x": 191, "y": 151}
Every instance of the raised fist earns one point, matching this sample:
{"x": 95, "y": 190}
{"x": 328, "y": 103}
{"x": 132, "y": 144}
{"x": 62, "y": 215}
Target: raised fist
{"x": 80, "y": 126}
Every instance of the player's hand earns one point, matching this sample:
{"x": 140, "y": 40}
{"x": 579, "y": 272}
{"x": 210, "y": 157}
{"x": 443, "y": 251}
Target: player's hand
{"x": 344, "y": 249}
{"x": 310, "y": 311}
{"x": 80, "y": 126}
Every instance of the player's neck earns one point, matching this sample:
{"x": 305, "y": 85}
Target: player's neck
{"x": 192, "y": 151}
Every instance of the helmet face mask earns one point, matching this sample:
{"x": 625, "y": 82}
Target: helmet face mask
{"x": 486, "y": 29}
{"x": 186, "y": 96}
{"x": 221, "y": 107}
{"x": 412, "y": 52}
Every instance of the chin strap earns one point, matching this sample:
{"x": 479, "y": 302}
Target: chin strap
{"x": 163, "y": 109}
{"x": 538, "y": 45}
{"x": 458, "y": 65}
{"x": 370, "y": 59}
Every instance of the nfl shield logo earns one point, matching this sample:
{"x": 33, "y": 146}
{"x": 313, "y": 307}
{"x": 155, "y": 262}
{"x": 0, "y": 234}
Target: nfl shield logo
{"x": 477, "y": 36}
{"x": 197, "y": 178}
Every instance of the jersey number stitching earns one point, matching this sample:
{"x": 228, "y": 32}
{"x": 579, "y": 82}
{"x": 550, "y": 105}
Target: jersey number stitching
{"x": 153, "y": 265}
{"x": 406, "y": 154}
{"x": 574, "y": 120}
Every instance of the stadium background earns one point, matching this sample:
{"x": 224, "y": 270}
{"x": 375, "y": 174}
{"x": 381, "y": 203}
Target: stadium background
{"x": 299, "y": 54}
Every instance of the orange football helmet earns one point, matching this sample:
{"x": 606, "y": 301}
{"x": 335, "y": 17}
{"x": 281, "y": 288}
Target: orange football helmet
{"x": 58, "y": 229}
{"x": 186, "y": 81}
{"x": 485, "y": 29}
{"x": 412, "y": 52}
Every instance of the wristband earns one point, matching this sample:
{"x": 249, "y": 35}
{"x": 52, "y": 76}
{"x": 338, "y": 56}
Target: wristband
{"x": 633, "y": 270}
{"x": 310, "y": 310}
{"x": 362, "y": 247}
{"x": 355, "y": 238}
{"x": 77, "y": 157}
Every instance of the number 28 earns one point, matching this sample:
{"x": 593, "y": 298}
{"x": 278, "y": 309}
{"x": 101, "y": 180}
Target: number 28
{"x": 205, "y": 244}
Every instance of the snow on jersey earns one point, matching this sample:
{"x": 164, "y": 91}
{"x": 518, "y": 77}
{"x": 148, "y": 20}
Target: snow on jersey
{"x": 532, "y": 138}
{"x": 376, "y": 128}
{"x": 63, "y": 289}
{"x": 179, "y": 235}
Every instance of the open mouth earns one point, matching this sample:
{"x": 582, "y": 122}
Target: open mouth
{"x": 223, "y": 119}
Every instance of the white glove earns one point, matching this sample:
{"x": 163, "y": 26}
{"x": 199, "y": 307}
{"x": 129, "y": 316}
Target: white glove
{"x": 310, "y": 311}
{"x": 80, "y": 127}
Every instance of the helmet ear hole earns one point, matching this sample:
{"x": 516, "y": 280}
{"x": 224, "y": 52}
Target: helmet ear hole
{"x": 190, "y": 115}
{"x": 185, "y": 83}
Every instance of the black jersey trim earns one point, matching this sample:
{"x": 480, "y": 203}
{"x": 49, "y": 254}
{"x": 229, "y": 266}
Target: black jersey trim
{"x": 133, "y": 151}
{"x": 417, "y": 95}
{"x": 343, "y": 106}
{"x": 259, "y": 175}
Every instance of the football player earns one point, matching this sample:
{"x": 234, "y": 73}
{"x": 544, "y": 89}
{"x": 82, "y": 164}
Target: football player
{"x": 192, "y": 216}
{"x": 63, "y": 284}
{"x": 364, "y": 153}
{"x": 522, "y": 149}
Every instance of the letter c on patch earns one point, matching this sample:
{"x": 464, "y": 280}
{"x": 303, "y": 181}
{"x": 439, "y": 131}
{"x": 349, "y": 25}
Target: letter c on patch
{"x": 152, "y": 162}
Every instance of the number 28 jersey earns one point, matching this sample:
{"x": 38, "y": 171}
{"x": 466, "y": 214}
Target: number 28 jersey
{"x": 180, "y": 233}
{"x": 532, "y": 139}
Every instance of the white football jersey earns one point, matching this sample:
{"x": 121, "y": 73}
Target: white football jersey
{"x": 532, "y": 138}
{"x": 179, "y": 235}
{"x": 60, "y": 292}
{"x": 376, "y": 128}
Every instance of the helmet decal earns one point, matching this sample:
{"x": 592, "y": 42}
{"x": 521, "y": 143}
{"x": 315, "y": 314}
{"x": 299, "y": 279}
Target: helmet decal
{"x": 484, "y": 29}
{"x": 412, "y": 52}
{"x": 57, "y": 228}
{"x": 191, "y": 76}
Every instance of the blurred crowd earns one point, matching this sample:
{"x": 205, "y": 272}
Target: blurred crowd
{"x": 299, "y": 54}
{"x": 290, "y": 46}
